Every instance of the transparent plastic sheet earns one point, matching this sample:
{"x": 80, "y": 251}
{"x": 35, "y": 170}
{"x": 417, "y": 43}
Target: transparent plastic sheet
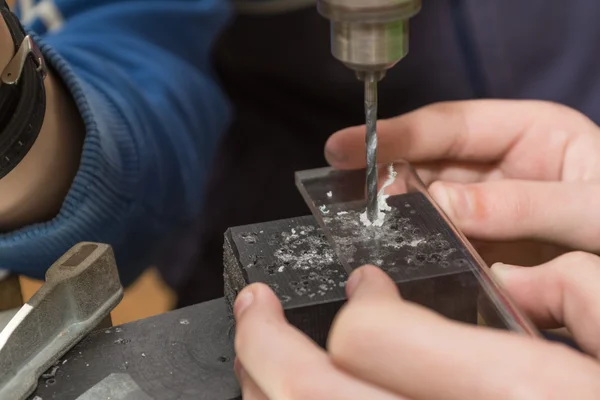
{"x": 411, "y": 237}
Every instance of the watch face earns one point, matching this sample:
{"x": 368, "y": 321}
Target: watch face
{"x": 271, "y": 6}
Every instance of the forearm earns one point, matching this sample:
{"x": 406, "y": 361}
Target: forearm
{"x": 128, "y": 163}
{"x": 35, "y": 190}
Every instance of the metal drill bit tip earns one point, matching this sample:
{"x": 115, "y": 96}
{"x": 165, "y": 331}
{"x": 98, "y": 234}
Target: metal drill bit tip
{"x": 371, "y": 140}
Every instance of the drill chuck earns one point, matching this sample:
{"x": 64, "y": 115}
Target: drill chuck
{"x": 369, "y": 36}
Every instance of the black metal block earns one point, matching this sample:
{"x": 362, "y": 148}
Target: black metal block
{"x": 295, "y": 259}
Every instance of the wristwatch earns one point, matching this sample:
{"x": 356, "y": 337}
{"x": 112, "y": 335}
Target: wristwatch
{"x": 22, "y": 95}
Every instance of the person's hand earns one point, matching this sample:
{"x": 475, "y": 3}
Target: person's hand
{"x": 381, "y": 347}
{"x": 501, "y": 170}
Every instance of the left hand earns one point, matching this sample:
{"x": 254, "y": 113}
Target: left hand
{"x": 381, "y": 347}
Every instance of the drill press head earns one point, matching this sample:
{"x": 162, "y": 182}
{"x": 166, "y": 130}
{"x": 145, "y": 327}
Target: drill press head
{"x": 369, "y": 36}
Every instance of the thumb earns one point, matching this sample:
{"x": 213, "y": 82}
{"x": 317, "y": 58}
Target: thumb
{"x": 560, "y": 212}
{"x": 370, "y": 283}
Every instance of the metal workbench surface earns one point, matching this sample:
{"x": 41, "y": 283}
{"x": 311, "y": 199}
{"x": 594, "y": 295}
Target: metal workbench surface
{"x": 184, "y": 354}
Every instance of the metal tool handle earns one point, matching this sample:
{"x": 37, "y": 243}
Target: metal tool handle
{"x": 81, "y": 289}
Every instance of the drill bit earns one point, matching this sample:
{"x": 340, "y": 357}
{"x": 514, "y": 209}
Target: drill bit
{"x": 371, "y": 140}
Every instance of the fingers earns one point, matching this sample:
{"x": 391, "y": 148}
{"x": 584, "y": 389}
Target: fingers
{"x": 444, "y": 130}
{"x": 283, "y": 362}
{"x": 457, "y": 172}
{"x": 564, "y": 213}
{"x": 250, "y": 390}
{"x": 562, "y": 292}
{"x": 534, "y": 138}
{"x": 412, "y": 351}
{"x": 429, "y": 173}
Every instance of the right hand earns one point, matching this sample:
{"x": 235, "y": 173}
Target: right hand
{"x": 501, "y": 170}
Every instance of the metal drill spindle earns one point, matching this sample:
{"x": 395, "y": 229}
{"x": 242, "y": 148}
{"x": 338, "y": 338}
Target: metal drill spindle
{"x": 369, "y": 37}
{"x": 371, "y": 139}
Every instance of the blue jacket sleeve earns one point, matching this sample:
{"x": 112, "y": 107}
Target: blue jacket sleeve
{"x": 139, "y": 72}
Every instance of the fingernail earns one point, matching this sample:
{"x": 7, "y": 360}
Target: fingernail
{"x": 501, "y": 270}
{"x": 453, "y": 199}
{"x": 353, "y": 282}
{"x": 242, "y": 302}
{"x": 334, "y": 157}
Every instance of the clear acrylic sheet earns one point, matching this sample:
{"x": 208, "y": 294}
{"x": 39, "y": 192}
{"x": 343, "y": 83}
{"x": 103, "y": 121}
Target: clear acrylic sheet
{"x": 412, "y": 235}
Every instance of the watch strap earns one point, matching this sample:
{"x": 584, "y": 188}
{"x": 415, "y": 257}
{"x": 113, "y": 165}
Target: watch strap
{"x": 22, "y": 96}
